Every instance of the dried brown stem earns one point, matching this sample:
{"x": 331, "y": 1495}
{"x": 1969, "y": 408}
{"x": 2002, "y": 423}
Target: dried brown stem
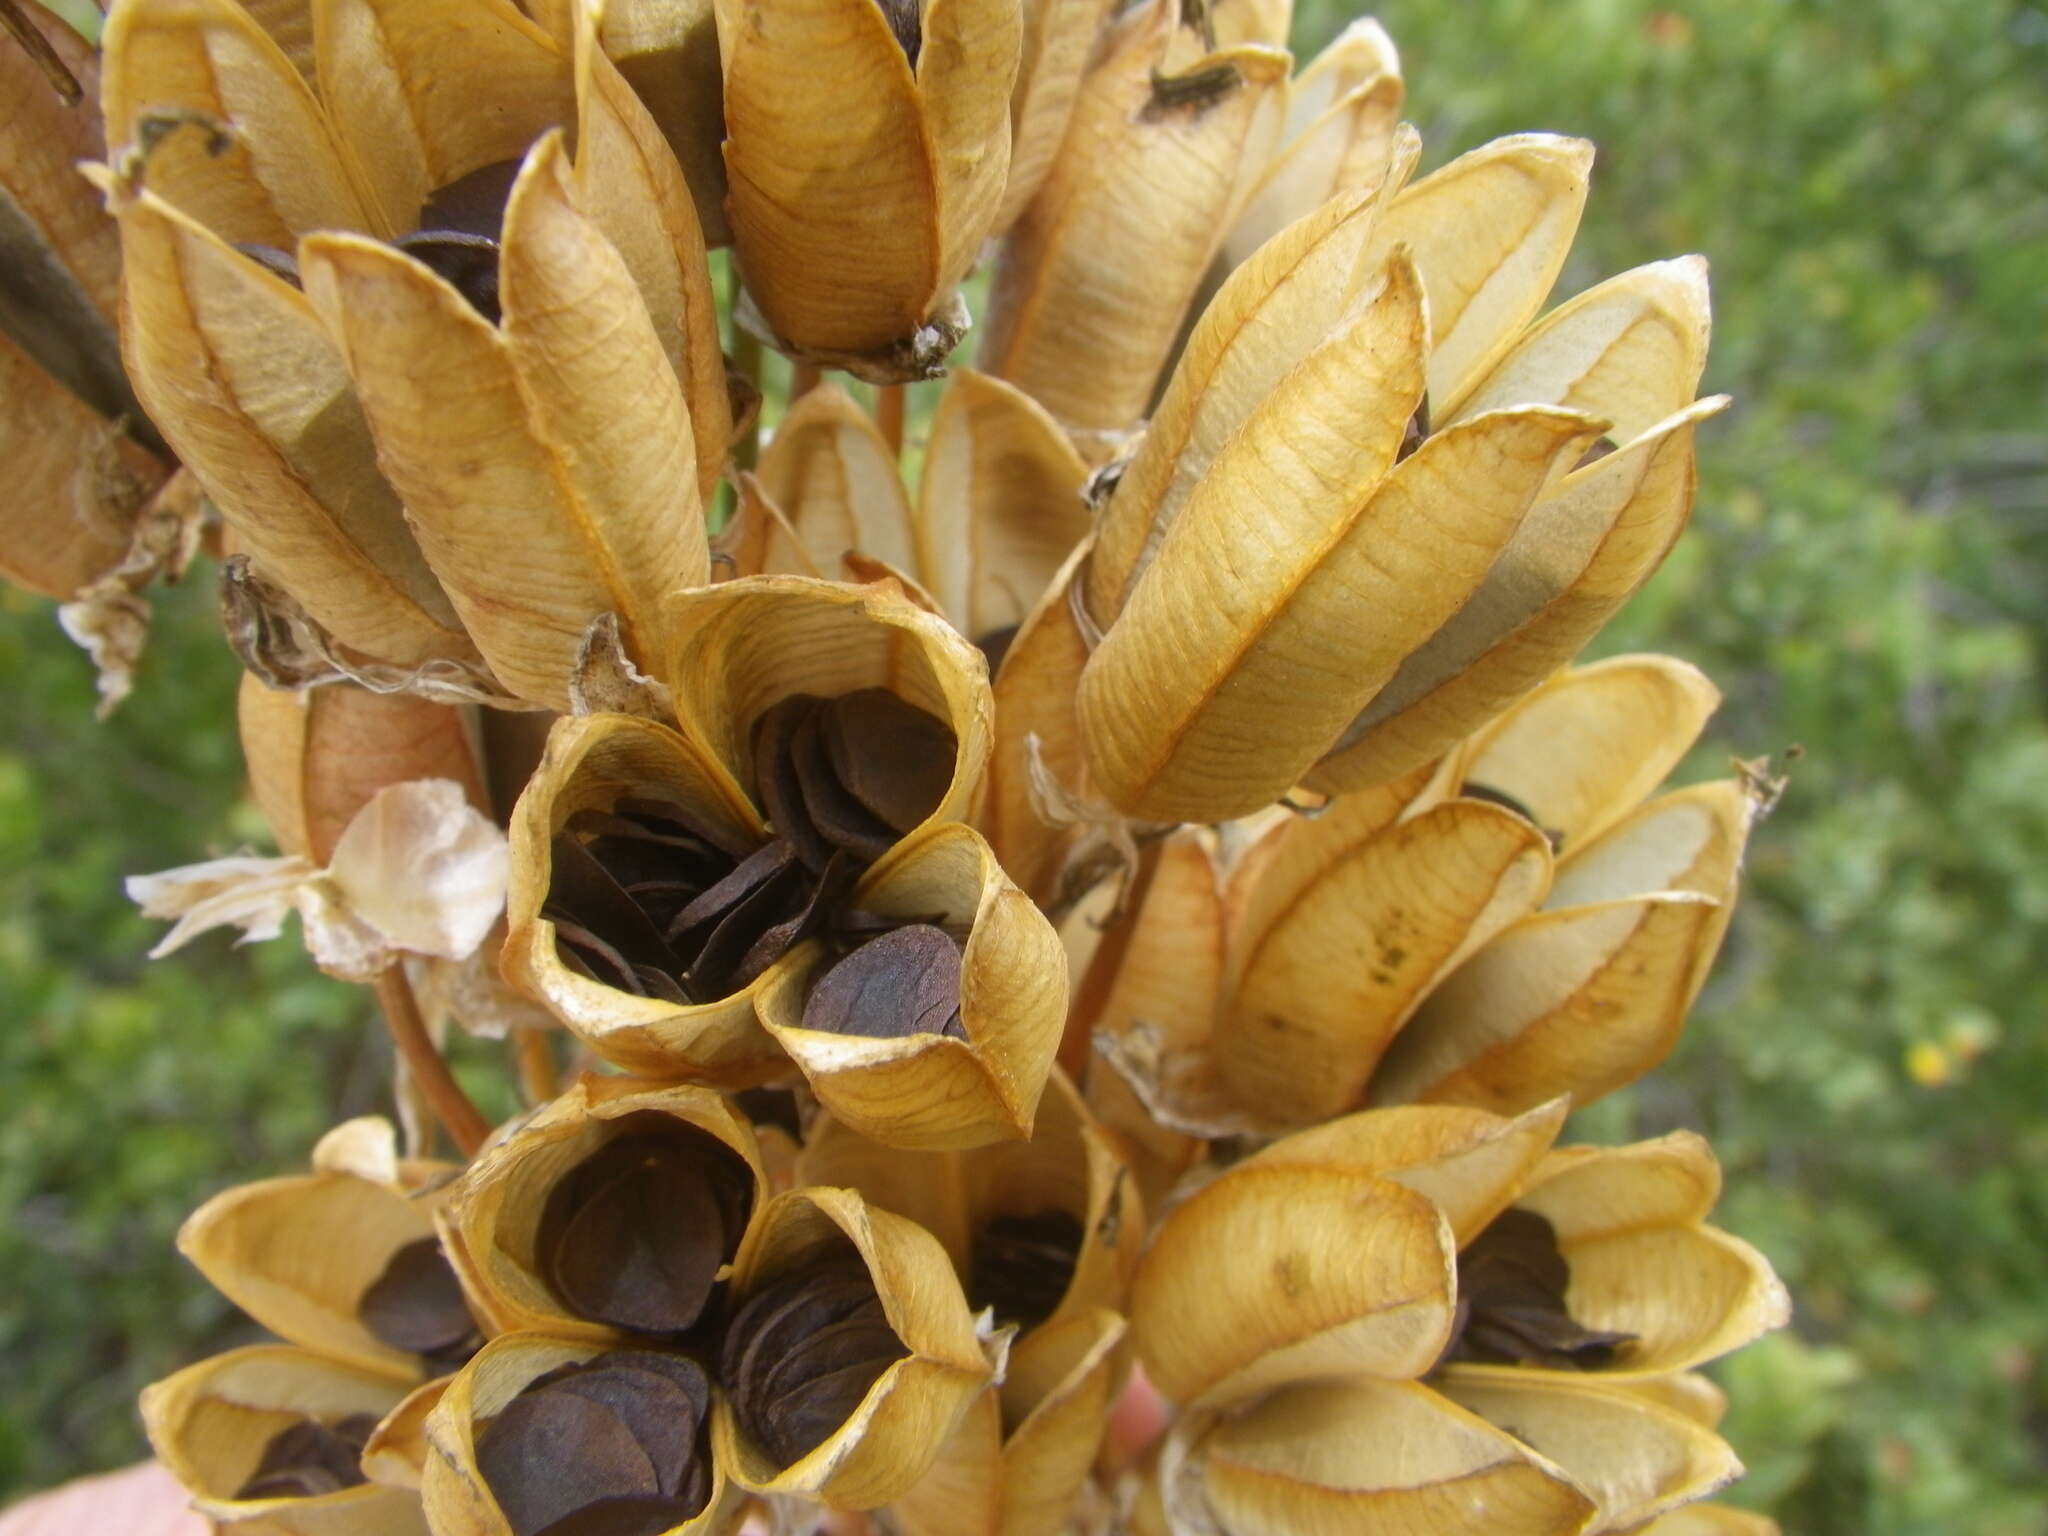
{"x": 890, "y": 401}
{"x": 803, "y": 378}
{"x": 37, "y": 47}
{"x": 461, "y": 1119}
{"x": 534, "y": 1055}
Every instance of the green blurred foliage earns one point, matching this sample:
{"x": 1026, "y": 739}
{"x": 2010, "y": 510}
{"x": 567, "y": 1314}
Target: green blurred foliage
{"x": 1864, "y": 578}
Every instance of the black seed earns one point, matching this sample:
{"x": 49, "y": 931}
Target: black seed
{"x": 1020, "y": 1265}
{"x": 1512, "y": 1281}
{"x": 416, "y": 1304}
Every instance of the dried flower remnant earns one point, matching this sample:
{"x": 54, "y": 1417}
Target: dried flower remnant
{"x": 611, "y": 1446}
{"x": 634, "y": 1235}
{"x": 801, "y": 1353}
{"x": 1512, "y": 1283}
{"x": 311, "y": 1457}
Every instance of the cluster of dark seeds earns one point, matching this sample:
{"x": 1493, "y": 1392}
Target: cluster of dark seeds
{"x": 634, "y": 1235}
{"x": 613, "y": 1446}
{"x": 1511, "y": 1288}
{"x": 653, "y": 900}
{"x": 802, "y": 1352}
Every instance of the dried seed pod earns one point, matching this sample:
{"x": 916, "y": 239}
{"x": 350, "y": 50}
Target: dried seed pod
{"x": 1058, "y": 37}
{"x": 738, "y": 649}
{"x": 1096, "y": 274}
{"x": 931, "y": 1089}
{"x": 80, "y": 475}
{"x": 541, "y": 1434}
{"x": 1333, "y": 1455}
{"x": 1342, "y": 110}
{"x": 998, "y": 505}
{"x": 795, "y": 1353}
{"x": 1636, "y": 1459}
{"x": 339, "y": 1263}
{"x": 593, "y": 765}
{"x": 1547, "y": 942}
{"x": 1019, "y": 1458}
{"x": 1269, "y": 1275}
{"x": 474, "y": 443}
{"x": 262, "y": 1435}
{"x": 613, "y": 1210}
{"x": 854, "y": 261}
{"x": 1041, "y": 1231}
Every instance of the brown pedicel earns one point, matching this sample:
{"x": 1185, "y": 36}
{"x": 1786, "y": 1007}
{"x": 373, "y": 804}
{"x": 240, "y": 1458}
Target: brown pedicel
{"x": 309, "y": 1458}
{"x": 1511, "y": 1289}
{"x": 416, "y": 1305}
{"x": 634, "y": 1235}
{"x": 613, "y": 1446}
{"x": 650, "y": 899}
{"x": 801, "y": 1353}
{"x": 1021, "y": 1265}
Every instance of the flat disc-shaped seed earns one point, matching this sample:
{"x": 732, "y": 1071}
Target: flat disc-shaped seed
{"x": 894, "y": 758}
{"x": 718, "y": 900}
{"x": 906, "y": 982}
{"x": 1512, "y": 1281}
{"x": 773, "y": 901}
{"x": 775, "y": 780}
{"x": 635, "y": 1238}
{"x": 818, "y": 910}
{"x": 1021, "y": 1265}
{"x": 776, "y": 1319}
{"x": 865, "y": 1335}
{"x": 657, "y": 1411}
{"x": 416, "y": 1303}
{"x": 798, "y": 1422}
{"x": 548, "y": 1453}
{"x": 841, "y": 819}
{"x": 681, "y": 1371}
{"x": 584, "y": 889}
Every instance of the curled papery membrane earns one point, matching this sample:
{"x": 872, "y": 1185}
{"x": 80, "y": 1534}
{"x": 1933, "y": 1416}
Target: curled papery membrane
{"x": 417, "y": 871}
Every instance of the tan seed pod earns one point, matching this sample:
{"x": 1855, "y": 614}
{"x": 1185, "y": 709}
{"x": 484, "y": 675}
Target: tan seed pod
{"x": 458, "y": 1495}
{"x": 211, "y": 1422}
{"x": 1096, "y": 274}
{"x": 891, "y": 1436}
{"x": 1042, "y": 1230}
{"x": 854, "y": 261}
{"x": 929, "y": 1091}
{"x": 503, "y": 1220}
